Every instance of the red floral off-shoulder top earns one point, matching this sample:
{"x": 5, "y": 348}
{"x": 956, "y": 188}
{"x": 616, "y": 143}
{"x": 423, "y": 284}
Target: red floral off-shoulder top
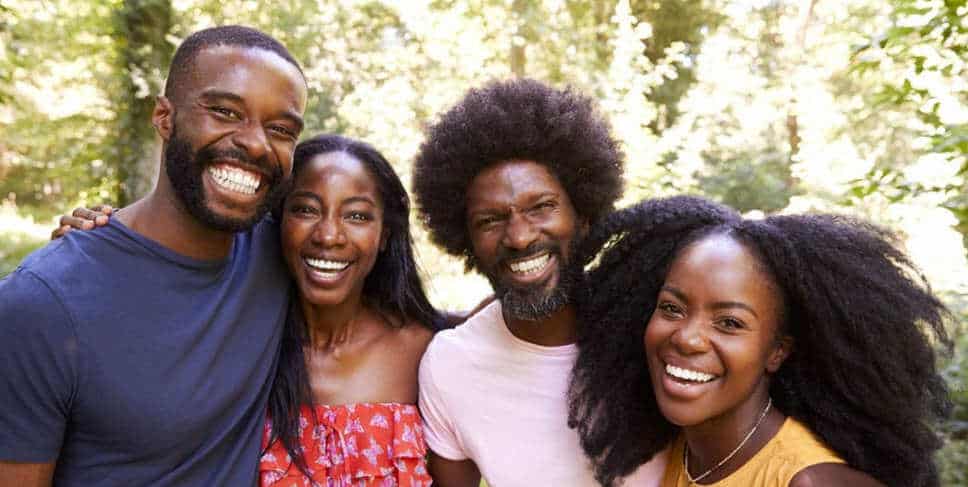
{"x": 354, "y": 445}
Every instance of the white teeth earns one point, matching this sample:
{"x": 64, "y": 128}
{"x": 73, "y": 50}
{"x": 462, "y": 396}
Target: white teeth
{"x": 331, "y": 266}
{"x": 235, "y": 179}
{"x": 686, "y": 374}
{"x": 530, "y": 265}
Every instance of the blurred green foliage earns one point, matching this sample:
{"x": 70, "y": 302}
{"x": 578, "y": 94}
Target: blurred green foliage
{"x": 856, "y": 106}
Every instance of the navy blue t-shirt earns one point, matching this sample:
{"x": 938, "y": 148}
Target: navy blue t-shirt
{"x": 129, "y": 364}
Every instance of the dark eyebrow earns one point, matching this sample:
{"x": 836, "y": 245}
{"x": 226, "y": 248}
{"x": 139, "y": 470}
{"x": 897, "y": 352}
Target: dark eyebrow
{"x": 214, "y": 94}
{"x": 221, "y": 94}
{"x": 717, "y": 305}
{"x": 305, "y": 194}
{"x": 353, "y": 199}
{"x": 734, "y": 304}
{"x": 673, "y": 291}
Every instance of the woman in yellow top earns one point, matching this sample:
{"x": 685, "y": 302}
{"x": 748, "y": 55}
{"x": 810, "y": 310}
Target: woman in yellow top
{"x": 790, "y": 351}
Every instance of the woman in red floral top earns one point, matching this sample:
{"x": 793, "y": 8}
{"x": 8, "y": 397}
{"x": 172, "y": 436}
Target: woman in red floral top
{"x": 342, "y": 410}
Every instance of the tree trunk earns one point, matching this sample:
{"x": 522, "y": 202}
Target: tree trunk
{"x": 141, "y": 27}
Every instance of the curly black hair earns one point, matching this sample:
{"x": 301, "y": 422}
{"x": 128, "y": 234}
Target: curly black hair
{"x": 862, "y": 374}
{"x": 520, "y": 119}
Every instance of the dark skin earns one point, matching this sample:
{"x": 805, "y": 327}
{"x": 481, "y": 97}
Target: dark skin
{"x": 511, "y": 206}
{"x": 334, "y": 213}
{"x": 248, "y": 99}
{"x": 226, "y": 103}
{"x": 718, "y": 314}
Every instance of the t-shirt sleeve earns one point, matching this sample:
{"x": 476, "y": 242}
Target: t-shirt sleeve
{"x": 439, "y": 431}
{"x": 38, "y": 350}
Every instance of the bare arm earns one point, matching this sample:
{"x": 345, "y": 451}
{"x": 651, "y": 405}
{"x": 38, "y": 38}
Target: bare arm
{"x": 26, "y": 474}
{"x": 833, "y": 474}
{"x": 453, "y": 473}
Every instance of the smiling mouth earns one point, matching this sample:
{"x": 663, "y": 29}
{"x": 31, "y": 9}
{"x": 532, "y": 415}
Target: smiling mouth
{"x": 235, "y": 179}
{"x": 530, "y": 266}
{"x": 328, "y": 268}
{"x": 688, "y": 375}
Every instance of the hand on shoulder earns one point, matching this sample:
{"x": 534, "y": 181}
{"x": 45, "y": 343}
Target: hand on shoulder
{"x": 833, "y": 475}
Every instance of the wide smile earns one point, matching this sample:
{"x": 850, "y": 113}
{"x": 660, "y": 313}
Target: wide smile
{"x": 234, "y": 179}
{"x": 531, "y": 269}
{"x": 688, "y": 375}
{"x": 325, "y": 271}
{"x": 684, "y": 382}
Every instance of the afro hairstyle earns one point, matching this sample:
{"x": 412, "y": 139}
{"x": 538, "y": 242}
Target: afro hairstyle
{"x": 520, "y": 119}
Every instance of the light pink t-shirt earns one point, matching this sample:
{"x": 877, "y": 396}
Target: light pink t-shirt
{"x": 500, "y": 401}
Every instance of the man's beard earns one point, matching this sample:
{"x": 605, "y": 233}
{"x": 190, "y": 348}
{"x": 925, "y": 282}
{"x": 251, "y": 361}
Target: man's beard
{"x": 534, "y": 303}
{"x": 185, "y": 168}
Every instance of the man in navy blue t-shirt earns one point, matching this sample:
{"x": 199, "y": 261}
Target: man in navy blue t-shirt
{"x": 142, "y": 353}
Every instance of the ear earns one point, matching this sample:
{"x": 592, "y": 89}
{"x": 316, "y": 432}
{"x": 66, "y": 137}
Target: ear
{"x": 162, "y": 117}
{"x": 782, "y": 349}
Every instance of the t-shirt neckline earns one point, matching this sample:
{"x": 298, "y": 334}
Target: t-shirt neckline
{"x": 164, "y": 252}
{"x": 568, "y": 350}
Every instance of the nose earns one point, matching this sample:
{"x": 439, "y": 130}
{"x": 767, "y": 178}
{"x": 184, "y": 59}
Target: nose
{"x": 520, "y": 233}
{"x": 251, "y": 137}
{"x": 690, "y": 338}
{"x": 329, "y": 232}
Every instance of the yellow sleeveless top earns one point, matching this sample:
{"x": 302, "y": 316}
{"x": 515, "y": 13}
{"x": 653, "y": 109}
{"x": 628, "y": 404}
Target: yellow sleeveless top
{"x": 793, "y": 449}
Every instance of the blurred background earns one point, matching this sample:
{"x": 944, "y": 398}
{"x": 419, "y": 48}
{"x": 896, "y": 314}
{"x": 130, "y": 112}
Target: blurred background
{"x": 849, "y": 106}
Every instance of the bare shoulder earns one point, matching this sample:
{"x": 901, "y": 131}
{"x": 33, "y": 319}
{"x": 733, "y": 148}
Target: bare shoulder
{"x": 417, "y": 336}
{"x": 833, "y": 474}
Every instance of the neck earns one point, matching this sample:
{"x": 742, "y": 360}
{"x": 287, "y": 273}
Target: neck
{"x": 331, "y": 326}
{"x": 555, "y": 330}
{"x": 711, "y": 442}
{"x": 163, "y": 218}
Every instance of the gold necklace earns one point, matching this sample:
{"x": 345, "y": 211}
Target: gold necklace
{"x": 685, "y": 451}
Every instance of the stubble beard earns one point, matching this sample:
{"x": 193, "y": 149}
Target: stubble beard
{"x": 534, "y": 303}
{"x": 185, "y": 168}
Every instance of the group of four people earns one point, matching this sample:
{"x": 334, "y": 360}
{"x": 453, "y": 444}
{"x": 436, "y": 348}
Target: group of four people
{"x": 670, "y": 343}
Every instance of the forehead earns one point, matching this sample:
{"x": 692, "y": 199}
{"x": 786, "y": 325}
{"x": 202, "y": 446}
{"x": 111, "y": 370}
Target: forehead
{"x": 723, "y": 269}
{"x": 255, "y": 74}
{"x": 336, "y": 173}
{"x": 513, "y": 183}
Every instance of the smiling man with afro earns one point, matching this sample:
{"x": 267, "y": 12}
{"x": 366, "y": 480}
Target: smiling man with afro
{"x": 510, "y": 179}
{"x": 520, "y": 119}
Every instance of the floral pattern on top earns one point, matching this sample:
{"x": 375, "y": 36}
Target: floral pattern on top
{"x": 353, "y": 445}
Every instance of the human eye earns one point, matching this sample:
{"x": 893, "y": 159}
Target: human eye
{"x": 486, "y": 221}
{"x": 225, "y": 112}
{"x": 283, "y": 132}
{"x": 359, "y": 216}
{"x": 301, "y": 209}
{"x": 669, "y": 309}
{"x": 544, "y": 206}
{"x": 730, "y": 324}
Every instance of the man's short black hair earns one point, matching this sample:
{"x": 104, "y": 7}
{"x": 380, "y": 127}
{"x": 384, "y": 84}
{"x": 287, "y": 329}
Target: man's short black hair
{"x": 226, "y": 35}
{"x": 520, "y": 119}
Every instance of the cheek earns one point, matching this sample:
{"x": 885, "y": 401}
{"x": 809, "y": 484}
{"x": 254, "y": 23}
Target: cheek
{"x": 483, "y": 245}
{"x": 292, "y": 235}
{"x": 655, "y": 333}
{"x": 283, "y": 152}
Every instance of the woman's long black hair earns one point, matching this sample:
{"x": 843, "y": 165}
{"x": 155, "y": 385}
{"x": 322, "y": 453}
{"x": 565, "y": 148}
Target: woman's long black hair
{"x": 862, "y": 374}
{"x": 393, "y": 286}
